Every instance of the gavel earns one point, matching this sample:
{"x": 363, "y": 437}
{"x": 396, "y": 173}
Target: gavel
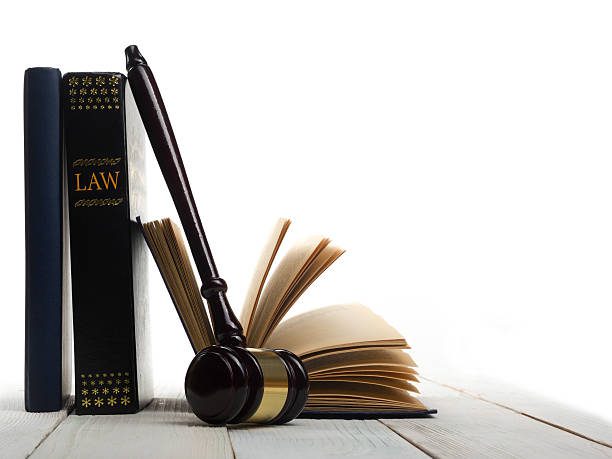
{"x": 226, "y": 382}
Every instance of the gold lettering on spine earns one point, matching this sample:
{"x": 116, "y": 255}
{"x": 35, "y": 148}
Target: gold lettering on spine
{"x": 95, "y": 92}
{"x": 93, "y": 180}
{"x": 78, "y": 183}
{"x": 110, "y": 179}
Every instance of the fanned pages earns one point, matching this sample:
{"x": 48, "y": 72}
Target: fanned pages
{"x": 170, "y": 254}
{"x": 353, "y": 360}
{"x": 287, "y": 282}
{"x": 333, "y": 328}
{"x": 261, "y": 271}
{"x": 356, "y": 361}
{"x": 327, "y": 395}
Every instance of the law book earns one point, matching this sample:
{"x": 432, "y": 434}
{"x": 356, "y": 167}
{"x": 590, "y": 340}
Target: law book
{"x": 47, "y": 289}
{"x": 104, "y": 144}
{"x": 356, "y": 361}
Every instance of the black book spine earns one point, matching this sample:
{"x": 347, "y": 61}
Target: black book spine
{"x": 105, "y": 164}
{"x": 46, "y": 308}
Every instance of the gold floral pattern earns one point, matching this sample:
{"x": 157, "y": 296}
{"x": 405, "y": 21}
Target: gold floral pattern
{"x": 90, "y": 88}
{"x": 107, "y": 389}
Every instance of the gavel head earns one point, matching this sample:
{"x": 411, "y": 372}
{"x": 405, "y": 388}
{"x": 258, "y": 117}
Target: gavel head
{"x": 227, "y": 385}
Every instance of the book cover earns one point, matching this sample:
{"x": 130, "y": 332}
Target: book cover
{"x": 47, "y": 296}
{"x": 104, "y": 145}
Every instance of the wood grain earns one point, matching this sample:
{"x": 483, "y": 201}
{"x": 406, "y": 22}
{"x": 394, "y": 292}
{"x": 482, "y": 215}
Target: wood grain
{"x": 541, "y": 408}
{"x": 467, "y": 427}
{"x": 310, "y": 439}
{"x": 20, "y": 431}
{"x": 165, "y": 429}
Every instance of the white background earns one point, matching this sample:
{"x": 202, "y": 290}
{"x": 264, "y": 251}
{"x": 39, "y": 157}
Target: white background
{"x": 460, "y": 152}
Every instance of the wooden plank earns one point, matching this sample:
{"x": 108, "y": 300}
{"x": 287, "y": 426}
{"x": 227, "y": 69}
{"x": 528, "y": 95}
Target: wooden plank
{"x": 20, "y": 431}
{"x": 467, "y": 427}
{"x": 309, "y": 439}
{"x": 537, "y": 407}
{"x": 165, "y": 429}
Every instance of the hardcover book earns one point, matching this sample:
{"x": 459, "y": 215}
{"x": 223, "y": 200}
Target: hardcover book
{"x": 104, "y": 145}
{"x": 47, "y": 292}
{"x": 356, "y": 361}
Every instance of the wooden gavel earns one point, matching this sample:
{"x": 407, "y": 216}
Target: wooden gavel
{"x": 226, "y": 382}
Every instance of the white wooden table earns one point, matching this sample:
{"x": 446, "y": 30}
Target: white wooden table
{"x": 475, "y": 420}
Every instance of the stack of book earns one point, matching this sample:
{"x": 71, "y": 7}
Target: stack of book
{"x": 85, "y": 189}
{"x": 84, "y": 164}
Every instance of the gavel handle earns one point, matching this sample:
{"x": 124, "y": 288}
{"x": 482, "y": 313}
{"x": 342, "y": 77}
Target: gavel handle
{"x": 228, "y": 330}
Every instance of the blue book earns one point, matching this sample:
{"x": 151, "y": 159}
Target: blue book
{"x": 47, "y": 315}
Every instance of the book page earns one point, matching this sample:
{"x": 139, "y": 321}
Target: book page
{"x": 282, "y": 280}
{"x": 161, "y": 254}
{"x": 332, "y": 393}
{"x": 334, "y": 327}
{"x": 392, "y": 359}
{"x": 366, "y": 374}
{"x": 170, "y": 254}
{"x": 323, "y": 260}
{"x": 261, "y": 272}
{"x": 375, "y": 380}
{"x": 178, "y": 249}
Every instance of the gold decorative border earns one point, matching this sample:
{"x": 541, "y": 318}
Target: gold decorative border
{"x": 93, "y": 92}
{"x": 104, "y": 389}
{"x": 97, "y": 202}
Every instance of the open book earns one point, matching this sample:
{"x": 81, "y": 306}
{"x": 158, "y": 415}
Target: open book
{"x": 355, "y": 360}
